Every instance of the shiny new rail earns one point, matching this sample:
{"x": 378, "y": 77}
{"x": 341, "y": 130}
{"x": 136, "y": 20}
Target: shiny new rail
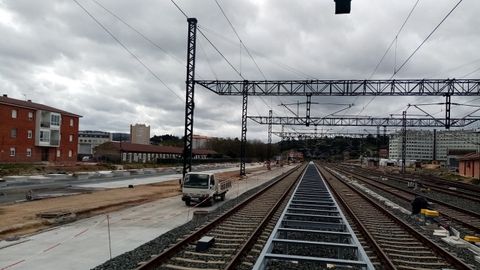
{"x": 234, "y": 231}
{"x": 396, "y": 243}
{"x": 312, "y": 233}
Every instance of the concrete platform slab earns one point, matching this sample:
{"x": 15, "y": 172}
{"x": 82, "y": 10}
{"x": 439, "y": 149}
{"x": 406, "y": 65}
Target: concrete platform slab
{"x": 149, "y": 180}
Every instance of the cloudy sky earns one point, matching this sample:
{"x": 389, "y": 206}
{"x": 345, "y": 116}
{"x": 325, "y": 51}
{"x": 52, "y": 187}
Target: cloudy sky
{"x": 53, "y": 52}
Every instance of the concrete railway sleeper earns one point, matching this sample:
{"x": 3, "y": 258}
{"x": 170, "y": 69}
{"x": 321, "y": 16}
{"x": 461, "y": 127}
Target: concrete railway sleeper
{"x": 466, "y": 192}
{"x": 400, "y": 245}
{"x": 235, "y": 232}
{"x": 467, "y": 219}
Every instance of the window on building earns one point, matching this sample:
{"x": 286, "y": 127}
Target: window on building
{"x": 71, "y": 122}
{"x": 70, "y": 138}
{"x": 29, "y": 134}
{"x": 12, "y": 151}
{"x": 29, "y": 152}
{"x": 44, "y": 136}
{"x": 55, "y": 120}
{"x": 13, "y": 133}
{"x": 58, "y": 152}
{"x": 30, "y": 115}
{"x": 69, "y": 153}
{"x": 14, "y": 113}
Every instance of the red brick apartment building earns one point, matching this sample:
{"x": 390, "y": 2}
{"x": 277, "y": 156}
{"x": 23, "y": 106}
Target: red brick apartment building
{"x": 32, "y": 132}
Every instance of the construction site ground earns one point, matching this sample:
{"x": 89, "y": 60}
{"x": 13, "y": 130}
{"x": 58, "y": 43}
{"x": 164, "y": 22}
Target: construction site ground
{"x": 135, "y": 216}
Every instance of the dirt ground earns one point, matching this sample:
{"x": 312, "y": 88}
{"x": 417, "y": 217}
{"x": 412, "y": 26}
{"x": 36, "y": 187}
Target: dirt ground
{"x": 21, "y": 218}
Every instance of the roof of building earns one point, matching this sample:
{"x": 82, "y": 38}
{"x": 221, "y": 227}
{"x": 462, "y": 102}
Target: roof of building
{"x": 460, "y": 152}
{"x": 32, "y": 105}
{"x": 149, "y": 148}
{"x": 471, "y": 156}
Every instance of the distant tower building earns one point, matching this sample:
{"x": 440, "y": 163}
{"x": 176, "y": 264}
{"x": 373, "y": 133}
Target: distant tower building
{"x": 140, "y": 134}
{"x": 199, "y": 142}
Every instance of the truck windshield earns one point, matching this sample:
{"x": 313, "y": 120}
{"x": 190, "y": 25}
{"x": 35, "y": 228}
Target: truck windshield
{"x": 196, "y": 181}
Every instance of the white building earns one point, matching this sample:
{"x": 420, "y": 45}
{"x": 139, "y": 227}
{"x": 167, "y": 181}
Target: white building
{"x": 429, "y": 145}
{"x": 89, "y": 139}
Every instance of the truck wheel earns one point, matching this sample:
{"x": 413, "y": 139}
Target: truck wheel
{"x": 210, "y": 201}
{"x": 187, "y": 202}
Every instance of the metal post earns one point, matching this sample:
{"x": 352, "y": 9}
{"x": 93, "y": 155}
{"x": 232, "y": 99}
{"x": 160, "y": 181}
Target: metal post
{"x": 448, "y": 104}
{"x": 309, "y": 104}
{"x": 404, "y": 140}
{"x": 269, "y": 147}
{"x": 435, "y": 144}
{"x": 190, "y": 90}
{"x": 384, "y": 141}
{"x": 243, "y": 143}
{"x": 109, "y": 238}
{"x": 378, "y": 144}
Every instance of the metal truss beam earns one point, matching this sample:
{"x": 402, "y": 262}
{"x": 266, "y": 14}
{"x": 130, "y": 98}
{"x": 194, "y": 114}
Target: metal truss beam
{"x": 190, "y": 91}
{"x": 415, "y": 87}
{"x": 363, "y": 121}
{"x": 315, "y": 135}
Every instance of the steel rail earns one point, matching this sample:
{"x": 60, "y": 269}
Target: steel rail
{"x": 170, "y": 252}
{"x": 252, "y": 239}
{"x": 436, "y": 187}
{"x": 454, "y": 261}
{"x": 448, "y": 205}
{"x": 382, "y": 256}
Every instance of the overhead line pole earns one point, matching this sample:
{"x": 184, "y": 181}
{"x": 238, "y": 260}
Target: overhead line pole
{"x": 404, "y": 140}
{"x": 243, "y": 142}
{"x": 189, "y": 94}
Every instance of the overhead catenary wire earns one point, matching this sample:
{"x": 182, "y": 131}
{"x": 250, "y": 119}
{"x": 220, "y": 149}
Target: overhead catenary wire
{"x": 416, "y": 50}
{"x": 393, "y": 42}
{"x": 210, "y": 42}
{"x": 426, "y": 39}
{"x": 242, "y": 44}
{"x": 208, "y": 60}
{"x": 138, "y": 32}
{"x": 395, "y": 39}
{"x": 276, "y": 63}
{"x": 127, "y": 49}
{"x": 241, "y": 41}
{"x": 470, "y": 73}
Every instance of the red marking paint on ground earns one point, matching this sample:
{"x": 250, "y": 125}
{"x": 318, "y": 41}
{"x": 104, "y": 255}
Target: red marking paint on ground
{"x": 52, "y": 247}
{"x": 80, "y": 233}
{"x": 13, "y": 264}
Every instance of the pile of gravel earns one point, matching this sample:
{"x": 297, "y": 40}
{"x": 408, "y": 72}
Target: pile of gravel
{"x": 131, "y": 259}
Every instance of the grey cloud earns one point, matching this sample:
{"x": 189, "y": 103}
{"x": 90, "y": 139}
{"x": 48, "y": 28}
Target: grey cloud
{"x": 96, "y": 78}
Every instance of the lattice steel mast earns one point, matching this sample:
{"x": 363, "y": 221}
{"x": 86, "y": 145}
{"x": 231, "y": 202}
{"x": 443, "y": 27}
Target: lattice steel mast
{"x": 190, "y": 91}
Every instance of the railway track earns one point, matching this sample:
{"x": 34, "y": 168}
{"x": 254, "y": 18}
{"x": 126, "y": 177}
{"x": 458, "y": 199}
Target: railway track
{"x": 457, "y": 190}
{"x": 235, "y": 232}
{"x": 396, "y": 244}
{"x": 469, "y": 220}
{"x": 312, "y": 233}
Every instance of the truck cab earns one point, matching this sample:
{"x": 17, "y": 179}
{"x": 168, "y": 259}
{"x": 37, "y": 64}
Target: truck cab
{"x": 203, "y": 188}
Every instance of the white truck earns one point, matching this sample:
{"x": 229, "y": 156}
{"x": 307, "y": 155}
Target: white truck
{"x": 198, "y": 187}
